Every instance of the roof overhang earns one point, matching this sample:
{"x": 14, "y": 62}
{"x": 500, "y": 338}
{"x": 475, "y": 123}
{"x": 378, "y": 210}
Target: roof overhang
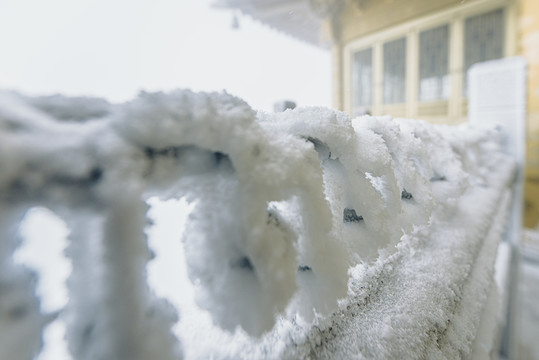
{"x": 297, "y": 18}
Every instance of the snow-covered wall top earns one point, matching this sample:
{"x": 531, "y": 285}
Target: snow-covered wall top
{"x": 311, "y": 236}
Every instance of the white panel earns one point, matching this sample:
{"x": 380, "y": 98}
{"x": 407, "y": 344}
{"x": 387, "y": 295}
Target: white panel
{"x": 497, "y": 93}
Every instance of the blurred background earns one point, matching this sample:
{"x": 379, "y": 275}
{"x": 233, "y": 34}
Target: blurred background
{"x": 114, "y": 49}
{"x": 403, "y": 58}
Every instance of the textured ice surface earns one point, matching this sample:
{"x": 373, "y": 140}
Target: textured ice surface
{"x": 310, "y": 234}
{"x": 527, "y": 313}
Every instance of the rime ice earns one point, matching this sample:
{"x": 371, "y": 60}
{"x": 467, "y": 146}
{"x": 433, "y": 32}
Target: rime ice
{"x": 309, "y": 231}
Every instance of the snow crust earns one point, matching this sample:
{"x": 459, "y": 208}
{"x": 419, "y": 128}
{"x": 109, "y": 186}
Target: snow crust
{"x": 527, "y": 312}
{"x": 311, "y": 235}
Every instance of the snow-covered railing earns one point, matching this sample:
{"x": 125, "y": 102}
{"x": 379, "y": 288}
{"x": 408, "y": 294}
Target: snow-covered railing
{"x": 311, "y": 235}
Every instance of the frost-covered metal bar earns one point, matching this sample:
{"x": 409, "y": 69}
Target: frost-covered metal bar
{"x": 311, "y": 234}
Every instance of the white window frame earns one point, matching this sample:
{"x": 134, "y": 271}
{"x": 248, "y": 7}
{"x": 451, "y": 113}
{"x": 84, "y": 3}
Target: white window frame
{"x": 452, "y": 110}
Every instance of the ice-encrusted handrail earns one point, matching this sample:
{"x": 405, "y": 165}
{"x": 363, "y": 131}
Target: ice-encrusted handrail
{"x": 317, "y": 235}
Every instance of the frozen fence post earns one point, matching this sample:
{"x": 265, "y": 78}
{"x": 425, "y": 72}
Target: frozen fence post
{"x": 83, "y": 171}
{"x": 83, "y": 313}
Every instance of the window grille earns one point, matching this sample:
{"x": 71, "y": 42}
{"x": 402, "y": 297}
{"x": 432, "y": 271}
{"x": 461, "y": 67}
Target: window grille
{"x": 362, "y": 75}
{"x": 434, "y": 64}
{"x": 395, "y": 71}
{"x": 483, "y": 39}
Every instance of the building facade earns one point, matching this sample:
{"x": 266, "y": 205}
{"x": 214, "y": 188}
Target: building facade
{"x": 410, "y": 58}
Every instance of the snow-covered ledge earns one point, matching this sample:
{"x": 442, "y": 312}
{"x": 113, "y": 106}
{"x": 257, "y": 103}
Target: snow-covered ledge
{"x": 311, "y": 235}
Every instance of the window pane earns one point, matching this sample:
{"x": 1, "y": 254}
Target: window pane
{"x": 362, "y": 81}
{"x": 484, "y": 38}
{"x": 395, "y": 71}
{"x": 434, "y": 64}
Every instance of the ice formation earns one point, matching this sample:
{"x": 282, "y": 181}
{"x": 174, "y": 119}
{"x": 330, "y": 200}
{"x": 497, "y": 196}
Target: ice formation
{"x": 311, "y": 234}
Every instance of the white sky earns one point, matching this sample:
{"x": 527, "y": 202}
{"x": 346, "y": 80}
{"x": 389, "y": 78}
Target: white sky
{"x": 114, "y": 49}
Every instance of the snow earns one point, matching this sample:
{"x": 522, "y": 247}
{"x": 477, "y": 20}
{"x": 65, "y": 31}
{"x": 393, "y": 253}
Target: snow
{"x": 527, "y": 311}
{"x": 308, "y": 234}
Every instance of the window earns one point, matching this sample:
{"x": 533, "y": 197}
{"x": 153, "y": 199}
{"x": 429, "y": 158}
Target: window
{"x": 362, "y": 81}
{"x": 483, "y": 38}
{"x": 434, "y": 64}
{"x": 395, "y": 71}
{"x": 418, "y": 68}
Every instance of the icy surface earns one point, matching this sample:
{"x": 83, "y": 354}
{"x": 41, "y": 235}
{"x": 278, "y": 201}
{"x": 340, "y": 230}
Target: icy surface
{"x": 528, "y": 292}
{"x": 528, "y": 313}
{"x": 310, "y": 234}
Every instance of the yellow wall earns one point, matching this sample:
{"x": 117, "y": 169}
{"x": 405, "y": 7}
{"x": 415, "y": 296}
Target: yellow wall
{"x": 379, "y": 15}
{"x": 528, "y": 46}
